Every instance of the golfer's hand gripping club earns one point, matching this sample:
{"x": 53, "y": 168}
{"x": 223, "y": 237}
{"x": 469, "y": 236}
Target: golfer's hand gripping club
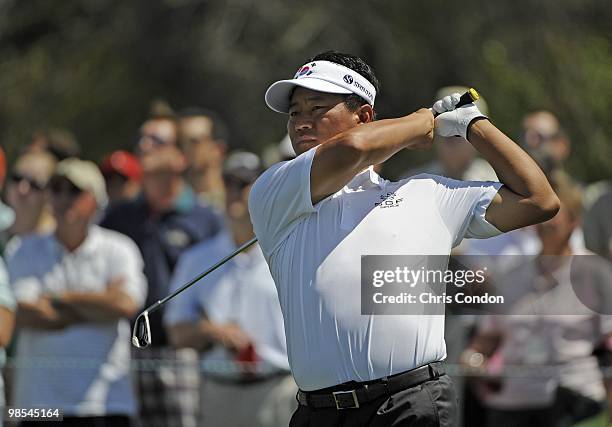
{"x": 468, "y": 97}
{"x": 141, "y": 336}
{"x": 454, "y": 113}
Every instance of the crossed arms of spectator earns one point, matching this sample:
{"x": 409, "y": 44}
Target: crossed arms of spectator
{"x": 57, "y": 312}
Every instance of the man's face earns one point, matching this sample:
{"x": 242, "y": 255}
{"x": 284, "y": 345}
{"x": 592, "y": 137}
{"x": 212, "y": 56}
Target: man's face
{"x": 199, "y": 146}
{"x": 538, "y": 128}
{"x": 236, "y": 198}
{"x": 315, "y": 117}
{"x": 26, "y": 184}
{"x": 157, "y": 147}
{"x": 69, "y": 203}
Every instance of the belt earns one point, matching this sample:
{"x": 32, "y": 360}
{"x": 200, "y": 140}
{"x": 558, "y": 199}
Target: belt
{"x": 340, "y": 397}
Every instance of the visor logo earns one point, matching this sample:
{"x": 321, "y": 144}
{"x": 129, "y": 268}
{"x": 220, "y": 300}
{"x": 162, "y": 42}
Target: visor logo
{"x": 304, "y": 71}
{"x": 348, "y": 79}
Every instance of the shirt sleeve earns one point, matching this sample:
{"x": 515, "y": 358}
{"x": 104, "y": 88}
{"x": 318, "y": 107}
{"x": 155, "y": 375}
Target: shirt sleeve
{"x": 185, "y": 307}
{"x": 128, "y": 264}
{"x": 279, "y": 198}
{"x": 463, "y": 205}
{"x": 25, "y": 285}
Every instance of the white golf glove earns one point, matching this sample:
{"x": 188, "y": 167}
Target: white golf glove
{"x": 453, "y": 121}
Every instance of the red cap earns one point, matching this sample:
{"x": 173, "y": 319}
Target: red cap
{"x": 123, "y": 163}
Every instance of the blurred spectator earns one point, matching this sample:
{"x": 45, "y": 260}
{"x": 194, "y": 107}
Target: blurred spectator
{"x": 455, "y": 157}
{"x": 524, "y": 241}
{"x": 274, "y": 153}
{"x": 234, "y": 316}
{"x": 542, "y": 131}
{"x": 60, "y": 142}
{"x": 74, "y": 303}
{"x": 122, "y": 174}
{"x": 598, "y": 226}
{"x": 7, "y": 302}
{"x": 549, "y": 330}
{"x": 164, "y": 220}
{"x": 203, "y": 137}
{"x": 7, "y": 321}
{"x": 25, "y": 193}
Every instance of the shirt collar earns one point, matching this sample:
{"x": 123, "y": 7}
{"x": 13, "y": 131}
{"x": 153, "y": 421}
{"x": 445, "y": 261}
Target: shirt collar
{"x": 87, "y": 247}
{"x": 366, "y": 179}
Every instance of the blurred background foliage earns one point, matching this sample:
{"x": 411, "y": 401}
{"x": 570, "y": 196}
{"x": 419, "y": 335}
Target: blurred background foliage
{"x": 94, "y": 66}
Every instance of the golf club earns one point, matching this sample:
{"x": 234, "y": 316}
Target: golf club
{"x": 141, "y": 336}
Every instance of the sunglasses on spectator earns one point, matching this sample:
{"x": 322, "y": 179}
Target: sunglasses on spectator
{"x": 156, "y": 140}
{"x": 17, "y": 178}
{"x": 63, "y": 186}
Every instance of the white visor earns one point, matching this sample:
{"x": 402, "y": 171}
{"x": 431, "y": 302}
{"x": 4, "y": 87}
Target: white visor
{"x": 322, "y": 76}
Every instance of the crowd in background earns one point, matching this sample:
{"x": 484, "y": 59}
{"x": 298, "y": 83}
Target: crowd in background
{"x": 87, "y": 246}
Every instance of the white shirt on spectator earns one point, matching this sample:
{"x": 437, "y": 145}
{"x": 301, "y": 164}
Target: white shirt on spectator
{"x": 84, "y": 368}
{"x": 314, "y": 257}
{"x": 240, "y": 291}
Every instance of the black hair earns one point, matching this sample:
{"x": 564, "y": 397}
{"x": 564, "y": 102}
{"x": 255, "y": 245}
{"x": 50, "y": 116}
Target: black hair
{"x": 219, "y": 128}
{"x": 352, "y": 101}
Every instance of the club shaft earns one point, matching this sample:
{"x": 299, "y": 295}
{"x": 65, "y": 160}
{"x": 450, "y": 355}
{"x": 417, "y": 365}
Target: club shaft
{"x": 153, "y": 307}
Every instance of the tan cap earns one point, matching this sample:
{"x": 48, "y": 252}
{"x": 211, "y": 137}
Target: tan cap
{"x": 449, "y": 90}
{"x": 84, "y": 175}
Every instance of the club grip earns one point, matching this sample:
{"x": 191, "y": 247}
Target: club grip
{"x": 468, "y": 97}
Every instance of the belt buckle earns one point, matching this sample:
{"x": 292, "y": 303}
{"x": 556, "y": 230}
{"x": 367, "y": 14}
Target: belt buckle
{"x": 339, "y": 404}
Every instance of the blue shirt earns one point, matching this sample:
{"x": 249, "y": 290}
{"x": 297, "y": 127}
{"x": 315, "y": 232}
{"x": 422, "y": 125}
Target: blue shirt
{"x": 241, "y": 291}
{"x": 162, "y": 239}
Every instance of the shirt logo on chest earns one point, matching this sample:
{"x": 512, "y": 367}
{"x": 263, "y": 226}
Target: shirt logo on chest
{"x": 389, "y": 200}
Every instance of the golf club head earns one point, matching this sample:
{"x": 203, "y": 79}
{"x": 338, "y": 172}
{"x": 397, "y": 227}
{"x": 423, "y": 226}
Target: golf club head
{"x": 141, "y": 336}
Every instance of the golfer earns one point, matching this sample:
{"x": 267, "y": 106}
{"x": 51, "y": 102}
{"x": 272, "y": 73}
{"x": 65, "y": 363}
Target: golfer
{"x": 316, "y": 215}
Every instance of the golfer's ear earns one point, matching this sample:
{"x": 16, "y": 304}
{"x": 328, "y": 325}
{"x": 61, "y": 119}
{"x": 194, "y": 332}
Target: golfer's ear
{"x": 365, "y": 114}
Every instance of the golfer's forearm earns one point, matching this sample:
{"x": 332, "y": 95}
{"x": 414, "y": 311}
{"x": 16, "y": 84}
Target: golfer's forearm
{"x": 379, "y": 140}
{"x": 338, "y": 160}
{"x": 513, "y": 166}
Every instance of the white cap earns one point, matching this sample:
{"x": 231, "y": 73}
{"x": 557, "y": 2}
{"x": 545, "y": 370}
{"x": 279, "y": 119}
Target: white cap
{"x": 84, "y": 175}
{"x": 322, "y": 76}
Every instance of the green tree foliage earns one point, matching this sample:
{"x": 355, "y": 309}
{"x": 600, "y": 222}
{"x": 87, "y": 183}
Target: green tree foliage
{"x": 95, "y": 65}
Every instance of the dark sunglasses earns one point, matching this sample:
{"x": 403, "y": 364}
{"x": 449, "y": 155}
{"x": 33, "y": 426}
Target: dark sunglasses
{"x": 157, "y": 141}
{"x": 17, "y": 178}
{"x": 61, "y": 186}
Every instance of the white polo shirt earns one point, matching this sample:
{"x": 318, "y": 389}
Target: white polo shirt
{"x": 314, "y": 256}
{"x": 84, "y": 368}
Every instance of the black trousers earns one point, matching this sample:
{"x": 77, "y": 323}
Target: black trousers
{"x": 109, "y": 421}
{"x": 430, "y": 404}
